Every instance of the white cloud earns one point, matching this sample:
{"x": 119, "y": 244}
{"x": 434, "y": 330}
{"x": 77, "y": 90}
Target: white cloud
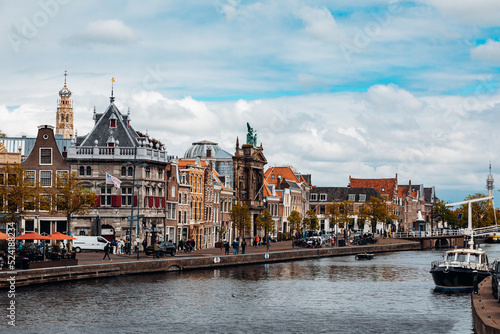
{"x": 320, "y": 23}
{"x": 480, "y": 12}
{"x": 113, "y": 32}
{"x": 489, "y": 52}
{"x": 354, "y": 133}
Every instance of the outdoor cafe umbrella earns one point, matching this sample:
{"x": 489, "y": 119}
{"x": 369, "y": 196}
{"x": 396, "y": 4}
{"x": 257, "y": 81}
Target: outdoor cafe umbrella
{"x": 31, "y": 236}
{"x": 4, "y": 236}
{"x": 59, "y": 236}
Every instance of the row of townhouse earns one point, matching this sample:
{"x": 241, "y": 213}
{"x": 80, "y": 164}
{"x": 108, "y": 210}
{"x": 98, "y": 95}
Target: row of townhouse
{"x": 159, "y": 195}
{"x": 405, "y": 201}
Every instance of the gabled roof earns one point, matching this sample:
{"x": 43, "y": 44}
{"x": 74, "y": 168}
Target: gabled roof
{"x": 183, "y": 163}
{"x": 283, "y": 173}
{"x": 102, "y": 133}
{"x": 383, "y": 186}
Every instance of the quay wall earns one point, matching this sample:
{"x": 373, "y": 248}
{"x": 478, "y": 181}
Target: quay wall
{"x": 108, "y": 269}
{"x": 485, "y": 310}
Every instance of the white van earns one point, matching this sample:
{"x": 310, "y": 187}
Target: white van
{"x": 89, "y": 243}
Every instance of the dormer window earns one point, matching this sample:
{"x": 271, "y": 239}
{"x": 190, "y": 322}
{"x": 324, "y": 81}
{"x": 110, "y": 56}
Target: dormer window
{"x": 112, "y": 121}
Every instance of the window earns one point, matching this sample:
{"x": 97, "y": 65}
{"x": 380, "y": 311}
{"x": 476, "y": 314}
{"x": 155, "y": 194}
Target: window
{"x": 272, "y": 176}
{"x": 362, "y": 197}
{"x": 180, "y": 199}
{"x": 29, "y": 205}
{"x": 314, "y": 197}
{"x": 31, "y": 176}
{"x": 29, "y": 225}
{"x": 352, "y": 197}
{"x": 322, "y": 197}
{"x": 171, "y": 210}
{"x": 46, "y": 178}
{"x": 113, "y": 123}
{"x": 148, "y": 172}
{"x": 124, "y": 171}
{"x": 82, "y": 171}
{"x": 383, "y": 189}
{"x": 45, "y": 202}
{"x": 130, "y": 171}
{"x": 105, "y": 196}
{"x": 126, "y": 196}
{"x": 45, "y": 156}
{"x": 89, "y": 171}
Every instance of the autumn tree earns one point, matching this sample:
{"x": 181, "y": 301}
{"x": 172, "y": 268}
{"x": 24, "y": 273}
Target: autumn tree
{"x": 376, "y": 210}
{"x": 444, "y": 213}
{"x": 483, "y": 213}
{"x": 19, "y": 193}
{"x": 265, "y": 221}
{"x": 294, "y": 222}
{"x": 240, "y": 216}
{"x": 71, "y": 198}
{"x": 310, "y": 221}
{"x": 338, "y": 213}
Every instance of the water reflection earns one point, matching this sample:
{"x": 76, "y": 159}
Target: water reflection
{"x": 391, "y": 294}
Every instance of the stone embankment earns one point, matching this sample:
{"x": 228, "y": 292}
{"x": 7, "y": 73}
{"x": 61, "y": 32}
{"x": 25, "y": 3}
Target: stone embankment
{"x": 94, "y": 267}
{"x": 485, "y": 310}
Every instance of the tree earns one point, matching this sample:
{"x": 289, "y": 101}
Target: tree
{"x": 294, "y": 221}
{"x": 240, "y": 216}
{"x": 71, "y": 198}
{"x": 375, "y": 210}
{"x": 19, "y": 193}
{"x": 483, "y": 213}
{"x": 338, "y": 213}
{"x": 2, "y": 134}
{"x": 444, "y": 213}
{"x": 310, "y": 221}
{"x": 265, "y": 221}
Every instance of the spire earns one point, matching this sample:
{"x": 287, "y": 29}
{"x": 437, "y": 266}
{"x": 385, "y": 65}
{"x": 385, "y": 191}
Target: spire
{"x": 112, "y": 98}
{"x": 237, "y": 142}
{"x": 65, "y": 75}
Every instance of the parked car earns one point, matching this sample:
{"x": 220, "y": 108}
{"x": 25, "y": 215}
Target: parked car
{"x": 495, "y": 279}
{"x": 83, "y": 242}
{"x": 318, "y": 241}
{"x": 165, "y": 248}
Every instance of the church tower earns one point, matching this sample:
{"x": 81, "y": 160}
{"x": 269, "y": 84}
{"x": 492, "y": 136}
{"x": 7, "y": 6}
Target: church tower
{"x": 64, "y": 116}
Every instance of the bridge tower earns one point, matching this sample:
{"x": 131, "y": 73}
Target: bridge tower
{"x": 489, "y": 183}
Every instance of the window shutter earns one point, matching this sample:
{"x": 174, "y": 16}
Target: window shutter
{"x": 116, "y": 201}
{"x": 97, "y": 201}
{"x": 163, "y": 202}
{"x": 135, "y": 200}
{"x": 151, "y": 201}
{"x": 157, "y": 202}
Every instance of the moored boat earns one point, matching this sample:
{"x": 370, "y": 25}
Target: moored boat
{"x": 459, "y": 268}
{"x": 493, "y": 239}
{"x": 364, "y": 256}
{"x": 462, "y": 266}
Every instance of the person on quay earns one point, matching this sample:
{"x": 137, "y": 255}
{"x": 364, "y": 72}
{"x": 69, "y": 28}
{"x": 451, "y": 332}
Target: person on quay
{"x": 156, "y": 250}
{"x": 226, "y": 247}
{"x": 257, "y": 241}
{"x": 106, "y": 252}
{"x": 144, "y": 245}
{"x": 243, "y": 246}
{"x": 236, "y": 245}
{"x": 180, "y": 247}
{"x": 115, "y": 246}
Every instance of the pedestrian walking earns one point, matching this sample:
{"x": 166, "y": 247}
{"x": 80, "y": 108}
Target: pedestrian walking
{"x": 235, "y": 245}
{"x": 257, "y": 240}
{"x": 106, "y": 252}
{"x": 243, "y": 246}
{"x": 144, "y": 245}
{"x": 226, "y": 247}
{"x": 156, "y": 250}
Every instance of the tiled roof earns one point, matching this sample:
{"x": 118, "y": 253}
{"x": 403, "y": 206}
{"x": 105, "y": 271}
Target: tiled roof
{"x": 184, "y": 162}
{"x": 383, "y": 186}
{"x": 284, "y": 172}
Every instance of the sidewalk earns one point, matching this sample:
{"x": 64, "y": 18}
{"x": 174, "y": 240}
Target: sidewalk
{"x": 280, "y": 246}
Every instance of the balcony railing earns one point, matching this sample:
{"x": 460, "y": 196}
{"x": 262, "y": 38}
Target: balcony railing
{"x": 116, "y": 153}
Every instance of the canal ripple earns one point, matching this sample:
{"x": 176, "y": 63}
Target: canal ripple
{"x": 393, "y": 293}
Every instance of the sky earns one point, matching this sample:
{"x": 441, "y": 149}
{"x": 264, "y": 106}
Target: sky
{"x": 367, "y": 89}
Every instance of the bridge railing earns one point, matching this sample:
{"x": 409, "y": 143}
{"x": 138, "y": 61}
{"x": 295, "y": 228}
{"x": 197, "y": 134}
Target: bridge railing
{"x": 413, "y": 234}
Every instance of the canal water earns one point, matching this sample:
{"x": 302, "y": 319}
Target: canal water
{"x": 394, "y": 293}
